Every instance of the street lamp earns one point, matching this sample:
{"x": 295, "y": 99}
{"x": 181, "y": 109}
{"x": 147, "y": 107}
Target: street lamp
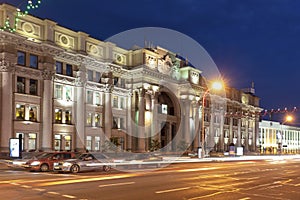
{"x": 214, "y": 86}
{"x": 288, "y": 118}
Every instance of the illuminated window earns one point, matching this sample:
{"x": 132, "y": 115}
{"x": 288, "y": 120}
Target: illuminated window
{"x": 89, "y": 143}
{"x": 33, "y": 61}
{"x": 58, "y": 91}
{"x": 57, "y": 142}
{"x": 20, "y": 112}
{"x": 164, "y": 109}
{"x": 67, "y": 142}
{"x": 33, "y": 87}
{"x": 98, "y": 120}
{"x": 59, "y": 67}
{"x": 89, "y": 119}
{"x": 58, "y": 116}
{"x": 32, "y": 141}
{"x": 69, "y": 70}
{"x": 68, "y": 117}
{"x": 21, "y": 58}
{"x": 20, "y": 84}
{"x": 89, "y": 97}
{"x": 33, "y": 114}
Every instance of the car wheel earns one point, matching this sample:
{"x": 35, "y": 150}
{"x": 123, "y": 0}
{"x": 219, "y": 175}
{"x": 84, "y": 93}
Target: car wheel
{"x": 44, "y": 168}
{"x": 74, "y": 169}
{"x": 106, "y": 168}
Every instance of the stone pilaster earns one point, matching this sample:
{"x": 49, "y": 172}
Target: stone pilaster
{"x": 6, "y": 71}
{"x": 130, "y": 121}
{"x": 108, "y": 111}
{"x": 141, "y": 122}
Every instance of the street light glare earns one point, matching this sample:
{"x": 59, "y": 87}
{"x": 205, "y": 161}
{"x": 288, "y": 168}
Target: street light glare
{"x": 289, "y": 118}
{"x": 217, "y": 85}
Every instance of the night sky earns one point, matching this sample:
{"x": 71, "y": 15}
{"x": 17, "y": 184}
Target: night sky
{"x": 249, "y": 40}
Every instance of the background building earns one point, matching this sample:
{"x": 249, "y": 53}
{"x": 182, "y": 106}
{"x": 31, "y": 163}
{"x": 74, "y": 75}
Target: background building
{"x": 276, "y": 138}
{"x": 64, "y": 90}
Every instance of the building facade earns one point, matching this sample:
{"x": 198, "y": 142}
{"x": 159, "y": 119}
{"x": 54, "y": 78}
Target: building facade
{"x": 64, "y": 90}
{"x": 276, "y": 138}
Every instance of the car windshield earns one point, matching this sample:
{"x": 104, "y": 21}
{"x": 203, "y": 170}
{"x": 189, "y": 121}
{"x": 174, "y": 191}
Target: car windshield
{"x": 44, "y": 155}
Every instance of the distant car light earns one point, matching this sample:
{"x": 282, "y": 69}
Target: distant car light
{"x": 67, "y": 164}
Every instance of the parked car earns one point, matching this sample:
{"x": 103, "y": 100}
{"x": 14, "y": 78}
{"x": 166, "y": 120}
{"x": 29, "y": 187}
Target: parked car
{"x": 44, "y": 162}
{"x": 20, "y": 162}
{"x": 85, "y": 162}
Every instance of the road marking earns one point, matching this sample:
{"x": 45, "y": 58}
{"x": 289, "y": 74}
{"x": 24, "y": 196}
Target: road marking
{"x": 56, "y": 193}
{"x": 172, "y": 190}
{"x": 246, "y": 198}
{"x": 25, "y": 186}
{"x": 116, "y": 184}
{"x": 39, "y": 189}
{"x": 196, "y": 169}
{"x": 69, "y": 196}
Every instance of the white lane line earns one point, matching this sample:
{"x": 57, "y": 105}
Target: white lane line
{"x": 246, "y": 198}
{"x": 39, "y": 189}
{"x": 69, "y": 196}
{"x": 172, "y": 190}
{"x": 56, "y": 193}
{"x": 25, "y": 186}
{"x": 116, "y": 184}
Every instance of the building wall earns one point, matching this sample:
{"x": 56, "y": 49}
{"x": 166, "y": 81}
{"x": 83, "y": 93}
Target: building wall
{"x": 276, "y": 138}
{"x": 63, "y": 90}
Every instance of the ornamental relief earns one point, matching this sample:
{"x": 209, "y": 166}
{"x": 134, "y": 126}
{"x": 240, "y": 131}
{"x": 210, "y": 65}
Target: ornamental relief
{"x": 94, "y": 50}
{"x": 27, "y": 72}
{"x": 119, "y": 58}
{"x": 64, "y": 40}
{"x": 29, "y": 29}
{"x": 6, "y": 66}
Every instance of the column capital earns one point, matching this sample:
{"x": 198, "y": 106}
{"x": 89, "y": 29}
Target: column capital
{"x": 80, "y": 78}
{"x": 47, "y": 74}
{"x": 6, "y": 65}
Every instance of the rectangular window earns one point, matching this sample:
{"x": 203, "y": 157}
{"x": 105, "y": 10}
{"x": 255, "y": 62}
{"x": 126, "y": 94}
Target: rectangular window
{"x": 57, "y": 142}
{"x": 58, "y": 92}
{"x": 33, "y": 61}
{"x": 122, "y": 123}
{"x": 116, "y": 80}
{"x": 68, "y": 117}
{"x": 20, "y": 84}
{"x": 97, "y": 98}
{"x": 21, "y": 58}
{"x": 164, "y": 108}
{"x": 98, "y": 120}
{"x": 90, "y": 75}
{"x": 67, "y": 142}
{"x": 89, "y": 97}
{"x": 89, "y": 119}
{"x": 32, "y": 141}
{"x": 89, "y": 143}
{"x": 98, "y": 77}
{"x": 97, "y": 143}
{"x": 68, "y": 93}
{"x": 69, "y": 70}
{"x": 20, "y": 112}
{"x": 115, "y": 102}
{"x": 122, "y": 102}
{"x": 58, "y": 116}
{"x": 32, "y": 113}
{"x": 33, "y": 87}
{"x": 59, "y": 67}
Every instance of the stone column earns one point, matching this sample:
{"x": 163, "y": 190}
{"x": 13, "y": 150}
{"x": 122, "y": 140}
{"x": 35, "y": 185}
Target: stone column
{"x": 108, "y": 112}
{"x": 129, "y": 121}
{"x": 47, "y": 110}
{"x": 187, "y": 131}
{"x": 141, "y": 122}
{"x": 6, "y": 71}
{"x": 80, "y": 111}
{"x": 239, "y": 134}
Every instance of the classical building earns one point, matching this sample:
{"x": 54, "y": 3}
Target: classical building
{"x": 276, "y": 138}
{"x": 64, "y": 90}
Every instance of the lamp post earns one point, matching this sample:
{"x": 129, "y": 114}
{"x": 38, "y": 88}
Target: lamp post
{"x": 288, "y": 118}
{"x": 215, "y": 86}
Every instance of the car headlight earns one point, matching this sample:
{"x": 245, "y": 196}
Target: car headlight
{"x": 35, "y": 163}
{"x": 67, "y": 164}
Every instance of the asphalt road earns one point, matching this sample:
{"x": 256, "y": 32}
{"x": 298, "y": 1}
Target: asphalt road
{"x": 243, "y": 180}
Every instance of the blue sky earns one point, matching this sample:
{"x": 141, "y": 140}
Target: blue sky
{"x": 249, "y": 40}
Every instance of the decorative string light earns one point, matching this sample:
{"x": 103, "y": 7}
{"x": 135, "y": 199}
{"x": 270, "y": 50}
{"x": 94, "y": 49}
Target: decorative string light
{"x": 30, "y": 6}
{"x": 240, "y": 114}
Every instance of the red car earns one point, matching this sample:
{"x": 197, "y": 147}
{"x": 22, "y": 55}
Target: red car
{"x": 44, "y": 162}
